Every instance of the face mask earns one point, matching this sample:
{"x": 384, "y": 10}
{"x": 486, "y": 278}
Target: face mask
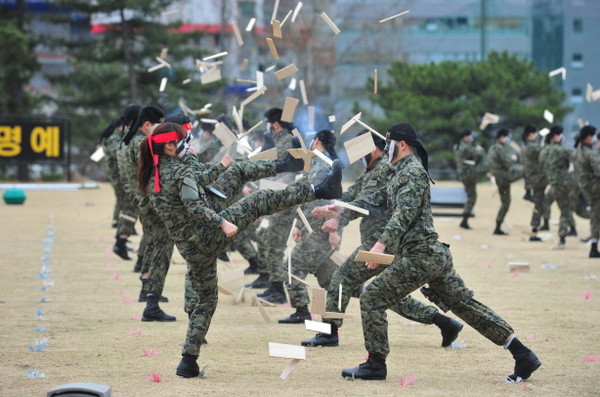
{"x": 182, "y": 147}
{"x": 391, "y": 150}
{"x": 364, "y": 161}
{"x": 152, "y": 127}
{"x": 470, "y": 138}
{"x": 507, "y": 139}
{"x": 595, "y": 140}
{"x": 269, "y": 127}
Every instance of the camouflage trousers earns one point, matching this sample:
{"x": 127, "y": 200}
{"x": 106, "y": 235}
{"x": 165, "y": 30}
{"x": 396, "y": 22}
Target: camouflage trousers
{"x": 430, "y": 263}
{"x": 539, "y": 208}
{"x": 201, "y": 253}
{"x": 471, "y": 190}
{"x": 504, "y": 192}
{"x": 128, "y": 213}
{"x": 565, "y": 196}
{"x": 272, "y": 244}
{"x": 242, "y": 243}
{"x": 351, "y": 275}
{"x": 310, "y": 256}
{"x": 158, "y": 252}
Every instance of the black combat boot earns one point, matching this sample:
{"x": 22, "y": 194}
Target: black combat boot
{"x": 373, "y": 369}
{"x": 301, "y": 314}
{"x": 499, "y": 231}
{"x": 261, "y": 282}
{"x": 188, "y": 366}
{"x": 223, "y": 257}
{"x": 153, "y": 312}
{"x": 465, "y": 222}
{"x": 525, "y": 361}
{"x": 253, "y": 268}
{"x": 449, "y": 327}
{"x": 277, "y": 294}
{"x": 572, "y": 231}
{"x": 528, "y": 195}
{"x": 534, "y": 236}
{"x": 331, "y": 186}
{"x": 594, "y": 251}
{"x": 322, "y": 339}
{"x": 289, "y": 163}
{"x": 546, "y": 225}
{"x": 120, "y": 248}
{"x": 138, "y": 264}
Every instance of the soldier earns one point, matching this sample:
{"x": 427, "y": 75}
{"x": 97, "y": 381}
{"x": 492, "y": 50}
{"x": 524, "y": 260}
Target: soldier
{"x": 110, "y": 140}
{"x": 587, "y": 169}
{"x": 199, "y": 231}
{"x": 128, "y": 211}
{"x": 369, "y": 192}
{"x": 534, "y": 177}
{"x": 210, "y": 144}
{"x": 272, "y": 239}
{"x": 311, "y": 254}
{"x": 421, "y": 259}
{"x": 470, "y": 165}
{"x": 555, "y": 159}
{"x": 505, "y": 170}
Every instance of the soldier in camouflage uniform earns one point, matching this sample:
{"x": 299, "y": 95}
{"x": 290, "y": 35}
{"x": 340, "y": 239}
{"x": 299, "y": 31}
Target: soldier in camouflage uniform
{"x": 210, "y": 144}
{"x": 470, "y": 165}
{"x": 199, "y": 231}
{"x": 272, "y": 239}
{"x": 110, "y": 141}
{"x": 555, "y": 159}
{"x": 535, "y": 177}
{"x": 587, "y": 170}
{"x": 421, "y": 259}
{"x": 159, "y": 248}
{"x": 505, "y": 170}
{"x": 311, "y": 254}
{"x": 128, "y": 210}
{"x": 369, "y": 192}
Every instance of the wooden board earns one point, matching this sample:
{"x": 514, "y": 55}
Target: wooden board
{"x": 366, "y": 256}
{"x": 225, "y": 291}
{"x": 261, "y": 309}
{"x": 304, "y": 220}
{"x": 272, "y": 185}
{"x": 225, "y": 135}
{"x": 351, "y": 207}
{"x": 286, "y": 71}
{"x": 269, "y": 154}
{"x": 210, "y": 76}
{"x": 336, "y": 315}
{"x": 337, "y": 258}
{"x": 231, "y": 275}
{"x": 522, "y": 267}
{"x": 318, "y": 326}
{"x": 272, "y": 48}
{"x": 289, "y": 109}
{"x": 317, "y": 301}
{"x": 276, "y": 28}
{"x": 288, "y": 368}
{"x": 359, "y": 147}
{"x": 287, "y": 351}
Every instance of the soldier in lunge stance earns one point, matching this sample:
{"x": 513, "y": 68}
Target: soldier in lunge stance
{"x": 421, "y": 259}
{"x": 535, "y": 177}
{"x": 199, "y": 231}
{"x": 369, "y": 192}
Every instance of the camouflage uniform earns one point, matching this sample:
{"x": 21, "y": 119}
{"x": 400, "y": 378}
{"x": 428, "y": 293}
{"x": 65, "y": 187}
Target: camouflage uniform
{"x": 587, "y": 170}
{"x": 272, "y": 240}
{"x": 209, "y": 149}
{"x": 110, "y": 166}
{"x": 535, "y": 178}
{"x": 243, "y": 243}
{"x": 369, "y": 192}
{"x": 470, "y": 165}
{"x": 129, "y": 205}
{"x": 555, "y": 159}
{"x": 159, "y": 249}
{"x": 420, "y": 259}
{"x": 506, "y": 171}
{"x": 195, "y": 228}
{"x": 311, "y": 254}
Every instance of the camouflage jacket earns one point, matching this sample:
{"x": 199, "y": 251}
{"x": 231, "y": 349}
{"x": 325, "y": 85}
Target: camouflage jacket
{"x": 128, "y": 169}
{"x": 500, "y": 161}
{"x": 318, "y": 171}
{"x": 469, "y": 160}
{"x": 185, "y": 215}
{"x": 555, "y": 160}
{"x": 369, "y": 192}
{"x": 587, "y": 169}
{"x": 409, "y": 198}
{"x": 110, "y": 164}
{"x": 533, "y": 171}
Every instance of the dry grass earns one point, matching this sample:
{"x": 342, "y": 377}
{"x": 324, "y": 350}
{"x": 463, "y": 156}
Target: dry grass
{"x": 88, "y": 321}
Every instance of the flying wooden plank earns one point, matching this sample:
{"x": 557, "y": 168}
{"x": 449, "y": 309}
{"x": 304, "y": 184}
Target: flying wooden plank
{"x": 366, "y": 256}
{"x": 359, "y": 147}
{"x": 255, "y": 95}
{"x": 289, "y": 109}
{"x": 393, "y": 16}
{"x": 237, "y": 34}
{"x": 272, "y": 48}
{"x": 336, "y": 315}
{"x": 277, "y": 29}
{"x": 317, "y": 301}
{"x": 337, "y": 258}
{"x": 304, "y": 220}
{"x": 286, "y": 71}
{"x": 350, "y": 122}
{"x": 303, "y": 92}
{"x": 288, "y": 368}
{"x": 261, "y": 309}
{"x": 270, "y": 154}
{"x": 318, "y": 326}
{"x": 283, "y": 350}
{"x": 330, "y": 23}
{"x": 225, "y": 135}
{"x": 351, "y": 207}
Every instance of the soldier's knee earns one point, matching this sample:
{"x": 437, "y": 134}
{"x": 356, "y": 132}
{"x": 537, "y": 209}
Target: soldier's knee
{"x": 448, "y": 301}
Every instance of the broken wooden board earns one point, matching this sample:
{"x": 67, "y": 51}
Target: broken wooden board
{"x": 366, "y": 256}
{"x": 317, "y": 301}
{"x": 522, "y": 267}
{"x": 318, "y": 326}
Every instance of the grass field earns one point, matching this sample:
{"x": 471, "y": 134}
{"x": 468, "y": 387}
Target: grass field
{"x": 93, "y": 334}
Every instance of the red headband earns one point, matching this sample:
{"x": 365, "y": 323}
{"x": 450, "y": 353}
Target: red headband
{"x": 187, "y": 126}
{"x": 160, "y": 138}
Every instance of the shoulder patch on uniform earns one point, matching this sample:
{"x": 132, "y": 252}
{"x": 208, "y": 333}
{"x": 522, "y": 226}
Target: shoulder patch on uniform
{"x": 403, "y": 179}
{"x": 189, "y": 190}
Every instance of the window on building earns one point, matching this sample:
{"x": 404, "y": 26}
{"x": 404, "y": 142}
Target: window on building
{"x": 577, "y": 60}
{"x": 576, "y": 95}
{"x": 577, "y": 25}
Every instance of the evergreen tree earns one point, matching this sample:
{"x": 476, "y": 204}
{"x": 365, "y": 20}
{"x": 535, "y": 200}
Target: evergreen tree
{"x": 440, "y": 100}
{"x": 109, "y": 67}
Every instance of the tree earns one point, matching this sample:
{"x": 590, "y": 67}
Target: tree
{"x": 18, "y": 60}
{"x": 442, "y": 99}
{"x": 109, "y": 68}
